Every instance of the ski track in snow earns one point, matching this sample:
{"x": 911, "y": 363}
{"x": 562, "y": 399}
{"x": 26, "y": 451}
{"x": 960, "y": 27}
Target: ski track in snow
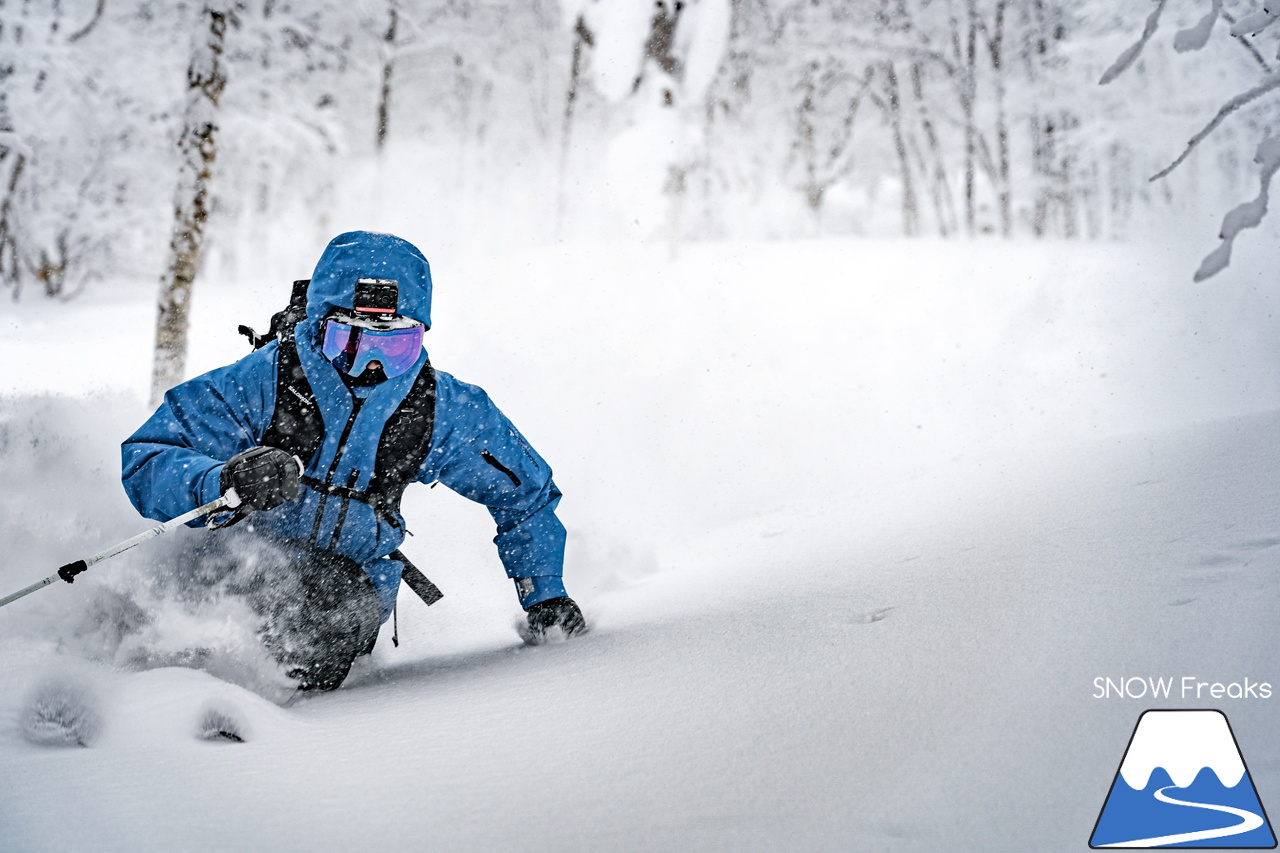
{"x": 862, "y": 610}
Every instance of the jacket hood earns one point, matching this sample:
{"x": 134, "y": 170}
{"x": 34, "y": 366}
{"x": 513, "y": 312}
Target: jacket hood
{"x": 364, "y": 254}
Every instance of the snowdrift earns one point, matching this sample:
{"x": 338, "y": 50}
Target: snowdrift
{"x": 856, "y": 524}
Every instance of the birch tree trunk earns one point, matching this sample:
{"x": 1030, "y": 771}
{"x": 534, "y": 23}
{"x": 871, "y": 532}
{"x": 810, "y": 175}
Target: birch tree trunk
{"x": 583, "y": 39}
{"x": 9, "y": 240}
{"x": 384, "y": 94}
{"x": 1004, "y": 190}
{"x": 893, "y": 100}
{"x": 934, "y": 166}
{"x": 206, "y": 78}
{"x": 968, "y": 107}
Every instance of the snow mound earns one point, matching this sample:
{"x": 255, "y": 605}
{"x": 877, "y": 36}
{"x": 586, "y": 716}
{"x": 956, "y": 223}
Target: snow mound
{"x": 62, "y": 714}
{"x": 222, "y": 721}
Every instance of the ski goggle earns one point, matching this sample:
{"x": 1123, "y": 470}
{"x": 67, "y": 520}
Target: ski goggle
{"x": 351, "y": 348}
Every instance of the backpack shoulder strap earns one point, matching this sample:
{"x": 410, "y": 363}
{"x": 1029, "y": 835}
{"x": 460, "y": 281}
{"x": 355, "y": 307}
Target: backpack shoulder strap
{"x": 406, "y": 440}
{"x": 296, "y": 424}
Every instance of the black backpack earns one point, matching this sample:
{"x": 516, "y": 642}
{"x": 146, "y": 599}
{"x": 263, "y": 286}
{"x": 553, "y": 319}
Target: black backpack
{"x": 297, "y": 427}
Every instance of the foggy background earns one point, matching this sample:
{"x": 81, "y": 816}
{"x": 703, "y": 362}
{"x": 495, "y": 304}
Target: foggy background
{"x": 488, "y": 124}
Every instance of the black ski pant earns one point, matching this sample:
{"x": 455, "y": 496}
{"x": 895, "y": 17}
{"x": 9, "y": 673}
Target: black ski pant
{"x": 318, "y": 610}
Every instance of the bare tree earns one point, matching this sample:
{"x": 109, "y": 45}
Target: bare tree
{"x": 940, "y": 74}
{"x": 198, "y": 144}
{"x": 12, "y": 161}
{"x": 583, "y": 40}
{"x": 933, "y": 161}
{"x": 51, "y": 182}
{"x": 268, "y": 131}
{"x": 964, "y": 37}
{"x": 994, "y": 37}
{"x": 388, "y": 65}
{"x": 890, "y": 101}
{"x": 823, "y": 148}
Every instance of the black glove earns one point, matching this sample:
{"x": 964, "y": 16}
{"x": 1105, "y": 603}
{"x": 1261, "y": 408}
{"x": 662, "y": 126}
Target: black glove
{"x": 263, "y": 477}
{"x": 562, "y": 613}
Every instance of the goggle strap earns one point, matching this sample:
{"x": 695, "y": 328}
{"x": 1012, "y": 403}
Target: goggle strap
{"x": 353, "y": 344}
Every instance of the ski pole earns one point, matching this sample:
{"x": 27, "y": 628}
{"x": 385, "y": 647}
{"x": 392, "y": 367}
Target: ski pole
{"x": 70, "y": 570}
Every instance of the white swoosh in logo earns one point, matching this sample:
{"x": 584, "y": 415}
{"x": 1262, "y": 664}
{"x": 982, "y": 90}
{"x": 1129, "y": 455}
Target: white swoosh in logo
{"x": 1249, "y": 821}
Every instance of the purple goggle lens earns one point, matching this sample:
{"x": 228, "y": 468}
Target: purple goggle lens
{"x": 352, "y": 348}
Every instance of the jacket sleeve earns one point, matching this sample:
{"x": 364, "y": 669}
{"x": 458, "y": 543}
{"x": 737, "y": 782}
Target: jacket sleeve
{"x": 478, "y": 453}
{"x": 172, "y": 463}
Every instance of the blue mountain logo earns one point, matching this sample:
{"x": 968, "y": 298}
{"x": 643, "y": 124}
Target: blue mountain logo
{"x": 1183, "y": 783}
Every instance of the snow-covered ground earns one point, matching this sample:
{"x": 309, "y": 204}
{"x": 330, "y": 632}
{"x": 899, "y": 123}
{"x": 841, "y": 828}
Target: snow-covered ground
{"x": 857, "y": 525}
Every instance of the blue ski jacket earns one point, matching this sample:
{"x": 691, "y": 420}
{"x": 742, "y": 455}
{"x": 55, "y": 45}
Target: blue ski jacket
{"x": 172, "y": 464}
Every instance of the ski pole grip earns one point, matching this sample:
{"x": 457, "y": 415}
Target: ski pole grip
{"x": 70, "y": 570}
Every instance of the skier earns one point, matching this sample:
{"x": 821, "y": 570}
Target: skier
{"x": 316, "y": 434}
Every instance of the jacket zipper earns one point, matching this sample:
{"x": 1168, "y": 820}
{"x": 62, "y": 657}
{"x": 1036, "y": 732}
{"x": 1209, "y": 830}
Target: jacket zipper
{"x": 493, "y": 460}
{"x": 337, "y": 457}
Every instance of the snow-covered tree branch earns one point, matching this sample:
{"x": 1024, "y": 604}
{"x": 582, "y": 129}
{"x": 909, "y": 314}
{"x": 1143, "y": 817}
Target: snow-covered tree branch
{"x": 1195, "y": 38}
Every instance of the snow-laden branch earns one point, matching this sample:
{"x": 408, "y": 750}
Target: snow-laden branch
{"x": 87, "y": 28}
{"x": 1246, "y": 215}
{"x": 1135, "y": 50}
{"x": 1194, "y": 38}
{"x": 1270, "y": 83}
{"x": 1251, "y": 25}
{"x": 12, "y": 141}
{"x": 887, "y": 48}
{"x": 1246, "y": 44}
